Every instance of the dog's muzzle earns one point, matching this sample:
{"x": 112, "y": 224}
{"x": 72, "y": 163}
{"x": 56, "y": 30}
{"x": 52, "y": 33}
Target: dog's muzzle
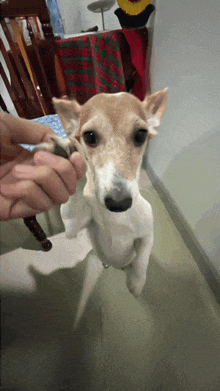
{"x": 118, "y": 200}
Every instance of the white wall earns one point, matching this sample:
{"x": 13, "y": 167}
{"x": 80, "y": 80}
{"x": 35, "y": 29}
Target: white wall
{"x": 76, "y": 17}
{"x": 186, "y": 153}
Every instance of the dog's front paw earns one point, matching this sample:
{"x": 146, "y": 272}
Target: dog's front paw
{"x": 71, "y": 228}
{"x": 135, "y": 281}
{"x": 59, "y": 146}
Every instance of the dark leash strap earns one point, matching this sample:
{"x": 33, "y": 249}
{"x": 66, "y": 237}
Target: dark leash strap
{"x": 32, "y": 223}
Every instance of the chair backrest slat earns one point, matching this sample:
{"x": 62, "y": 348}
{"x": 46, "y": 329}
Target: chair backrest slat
{"x": 12, "y": 92}
{"x": 27, "y": 68}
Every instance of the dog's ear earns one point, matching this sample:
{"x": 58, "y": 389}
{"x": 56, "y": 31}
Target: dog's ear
{"x": 155, "y": 104}
{"x": 69, "y": 113}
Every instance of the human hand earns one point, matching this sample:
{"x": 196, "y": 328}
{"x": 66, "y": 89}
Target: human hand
{"x": 32, "y": 182}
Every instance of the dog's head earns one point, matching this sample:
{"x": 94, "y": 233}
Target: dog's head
{"x": 113, "y": 130}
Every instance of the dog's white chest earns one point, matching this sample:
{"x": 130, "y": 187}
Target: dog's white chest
{"x": 114, "y": 243}
{"x": 113, "y": 234}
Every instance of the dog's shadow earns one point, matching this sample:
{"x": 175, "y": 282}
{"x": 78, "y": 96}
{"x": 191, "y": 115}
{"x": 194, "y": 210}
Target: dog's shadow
{"x": 42, "y": 350}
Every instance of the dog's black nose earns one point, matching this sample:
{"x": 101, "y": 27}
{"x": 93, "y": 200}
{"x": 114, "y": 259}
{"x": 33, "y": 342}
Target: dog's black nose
{"x": 119, "y": 205}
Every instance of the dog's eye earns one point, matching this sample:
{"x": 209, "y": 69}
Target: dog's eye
{"x": 140, "y": 137}
{"x": 90, "y": 138}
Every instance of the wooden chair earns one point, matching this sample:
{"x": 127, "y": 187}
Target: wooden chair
{"x": 33, "y": 66}
{"x": 19, "y": 86}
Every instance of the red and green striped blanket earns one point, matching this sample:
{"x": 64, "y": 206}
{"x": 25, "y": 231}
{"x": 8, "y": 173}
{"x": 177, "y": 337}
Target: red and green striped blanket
{"x": 91, "y": 64}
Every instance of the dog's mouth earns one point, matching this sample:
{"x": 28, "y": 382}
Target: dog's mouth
{"x": 118, "y": 206}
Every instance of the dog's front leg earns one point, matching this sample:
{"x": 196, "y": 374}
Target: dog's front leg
{"x": 76, "y": 212}
{"x": 136, "y": 271}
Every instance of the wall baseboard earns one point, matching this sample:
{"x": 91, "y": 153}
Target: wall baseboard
{"x": 207, "y": 269}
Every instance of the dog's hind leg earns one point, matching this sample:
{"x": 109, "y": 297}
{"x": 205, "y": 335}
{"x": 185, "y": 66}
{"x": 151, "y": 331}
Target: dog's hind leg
{"x": 136, "y": 271}
{"x": 93, "y": 271}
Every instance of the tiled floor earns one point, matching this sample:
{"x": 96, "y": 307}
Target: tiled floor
{"x": 56, "y": 339}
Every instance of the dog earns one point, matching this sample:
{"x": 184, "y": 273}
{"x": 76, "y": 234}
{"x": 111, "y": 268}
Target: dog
{"x": 111, "y": 131}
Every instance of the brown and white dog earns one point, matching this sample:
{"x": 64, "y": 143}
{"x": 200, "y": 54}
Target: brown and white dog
{"x": 111, "y": 132}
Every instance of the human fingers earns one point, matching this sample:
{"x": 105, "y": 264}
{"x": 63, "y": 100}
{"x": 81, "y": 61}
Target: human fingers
{"x": 20, "y": 209}
{"x": 78, "y": 163}
{"x": 61, "y": 166}
{"x": 15, "y": 208}
{"x": 45, "y": 177}
{"x": 23, "y": 130}
{"x": 29, "y": 192}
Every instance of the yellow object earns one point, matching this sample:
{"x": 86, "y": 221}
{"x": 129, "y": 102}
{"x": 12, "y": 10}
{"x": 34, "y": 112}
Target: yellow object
{"x": 133, "y": 7}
